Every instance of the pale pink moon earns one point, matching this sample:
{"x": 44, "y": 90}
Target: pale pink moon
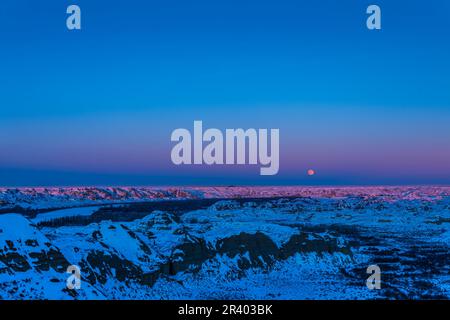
{"x": 311, "y": 172}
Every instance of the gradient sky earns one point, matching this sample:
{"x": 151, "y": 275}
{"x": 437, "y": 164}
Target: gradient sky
{"x": 97, "y": 106}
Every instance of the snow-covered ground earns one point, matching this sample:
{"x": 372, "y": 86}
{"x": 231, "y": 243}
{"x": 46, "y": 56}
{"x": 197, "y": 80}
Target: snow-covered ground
{"x": 312, "y": 243}
{"x": 65, "y": 213}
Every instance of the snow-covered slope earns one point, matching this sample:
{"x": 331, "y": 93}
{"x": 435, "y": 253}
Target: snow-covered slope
{"x": 317, "y": 246}
{"x": 30, "y": 266}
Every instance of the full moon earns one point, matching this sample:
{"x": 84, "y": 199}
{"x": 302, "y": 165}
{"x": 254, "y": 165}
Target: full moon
{"x": 311, "y": 172}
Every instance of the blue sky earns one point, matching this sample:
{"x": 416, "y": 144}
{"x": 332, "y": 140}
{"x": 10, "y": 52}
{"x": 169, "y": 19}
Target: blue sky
{"x": 97, "y": 106}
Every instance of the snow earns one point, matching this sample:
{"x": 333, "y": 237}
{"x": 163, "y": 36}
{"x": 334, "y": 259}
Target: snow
{"x": 300, "y": 277}
{"x": 73, "y": 212}
{"x": 120, "y": 240}
{"x": 213, "y": 225}
{"x": 406, "y": 227}
{"x": 15, "y": 227}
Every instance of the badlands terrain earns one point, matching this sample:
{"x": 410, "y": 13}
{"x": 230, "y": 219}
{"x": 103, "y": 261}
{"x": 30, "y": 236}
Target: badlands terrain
{"x": 225, "y": 242}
